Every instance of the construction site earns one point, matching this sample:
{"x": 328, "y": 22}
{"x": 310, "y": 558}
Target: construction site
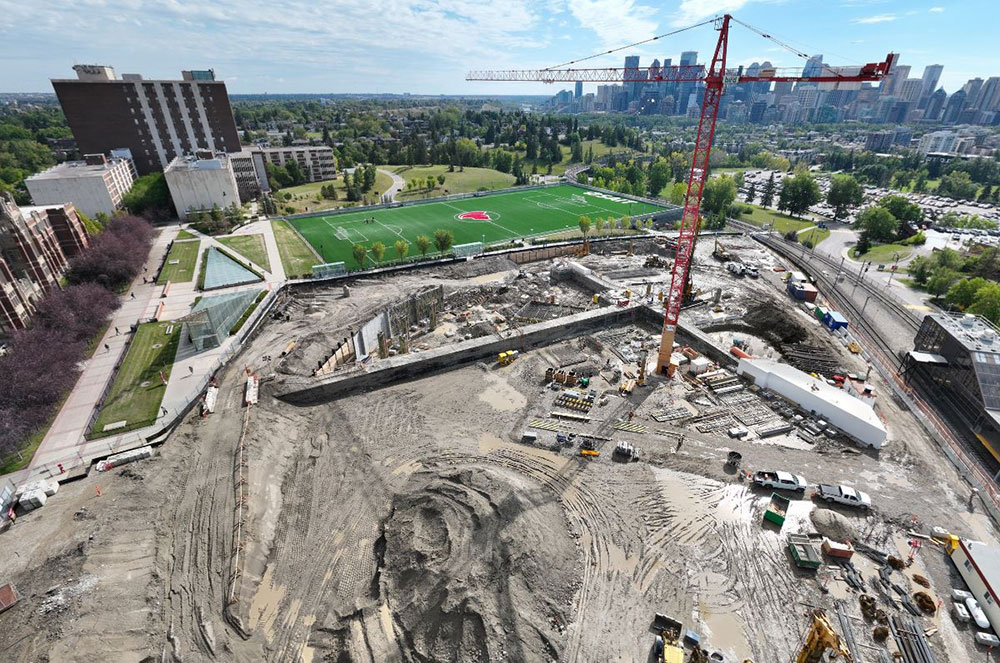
{"x": 641, "y": 449}
{"x": 378, "y": 482}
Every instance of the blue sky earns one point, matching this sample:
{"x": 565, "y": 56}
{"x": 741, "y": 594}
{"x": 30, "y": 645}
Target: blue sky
{"x": 426, "y": 46}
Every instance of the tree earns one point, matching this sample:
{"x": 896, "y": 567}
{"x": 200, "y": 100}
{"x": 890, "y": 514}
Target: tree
{"x": 430, "y": 182}
{"x": 987, "y": 302}
{"x": 585, "y": 225}
{"x": 149, "y": 193}
{"x": 294, "y": 172}
{"x": 659, "y": 176}
{"x": 423, "y": 244}
{"x": 941, "y": 281}
{"x": 798, "y": 193}
{"x": 402, "y": 248}
{"x": 878, "y": 223}
{"x": 599, "y": 224}
{"x": 963, "y": 292}
{"x": 377, "y": 251}
{"x": 718, "y": 195}
{"x": 677, "y": 193}
{"x": 767, "y": 197}
{"x": 359, "y": 251}
{"x": 920, "y": 269}
{"x": 440, "y": 179}
{"x": 751, "y": 193}
{"x": 844, "y": 192}
{"x": 902, "y": 209}
{"x": 625, "y": 222}
{"x": 443, "y": 239}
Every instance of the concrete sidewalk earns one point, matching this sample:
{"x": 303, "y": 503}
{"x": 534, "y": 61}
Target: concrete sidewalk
{"x": 66, "y": 433}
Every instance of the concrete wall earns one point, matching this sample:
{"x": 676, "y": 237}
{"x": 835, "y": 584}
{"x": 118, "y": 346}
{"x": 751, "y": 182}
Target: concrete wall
{"x": 202, "y": 188}
{"x": 88, "y": 194}
{"x": 308, "y": 391}
{"x": 965, "y": 559}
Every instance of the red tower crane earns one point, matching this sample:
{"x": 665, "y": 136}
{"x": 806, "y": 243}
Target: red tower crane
{"x": 716, "y": 77}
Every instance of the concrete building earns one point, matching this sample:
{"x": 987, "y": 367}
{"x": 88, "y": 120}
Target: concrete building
{"x": 96, "y": 184}
{"x": 157, "y": 120}
{"x": 251, "y": 176}
{"x": 316, "y": 161}
{"x": 35, "y": 246}
{"x": 938, "y": 141}
{"x": 837, "y": 407}
{"x": 956, "y": 362}
{"x": 201, "y": 182}
{"x": 979, "y": 566}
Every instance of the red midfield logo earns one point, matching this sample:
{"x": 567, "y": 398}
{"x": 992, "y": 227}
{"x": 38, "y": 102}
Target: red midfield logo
{"x": 475, "y": 216}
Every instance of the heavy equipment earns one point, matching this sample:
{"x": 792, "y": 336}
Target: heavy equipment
{"x": 821, "y": 638}
{"x": 715, "y": 77}
{"x": 640, "y": 379}
{"x": 505, "y": 358}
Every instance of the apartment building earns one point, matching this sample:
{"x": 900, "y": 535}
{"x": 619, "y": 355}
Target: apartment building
{"x": 316, "y": 161}
{"x": 157, "y": 120}
{"x": 96, "y": 184}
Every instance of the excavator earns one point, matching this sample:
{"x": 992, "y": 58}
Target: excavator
{"x": 819, "y": 639}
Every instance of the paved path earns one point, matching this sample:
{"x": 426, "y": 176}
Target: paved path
{"x": 398, "y": 184}
{"x": 65, "y": 441}
{"x": 63, "y": 438}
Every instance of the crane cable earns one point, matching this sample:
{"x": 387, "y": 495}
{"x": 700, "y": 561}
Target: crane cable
{"x": 633, "y": 45}
{"x": 788, "y": 47}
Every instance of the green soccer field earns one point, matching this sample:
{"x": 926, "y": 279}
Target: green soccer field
{"x": 505, "y": 217}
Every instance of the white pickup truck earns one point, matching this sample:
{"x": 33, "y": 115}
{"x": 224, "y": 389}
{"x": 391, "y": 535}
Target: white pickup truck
{"x": 844, "y": 495}
{"x": 779, "y": 480}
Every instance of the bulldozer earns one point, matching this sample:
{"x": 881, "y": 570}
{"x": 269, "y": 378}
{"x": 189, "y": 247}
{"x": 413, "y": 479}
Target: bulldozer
{"x": 508, "y": 357}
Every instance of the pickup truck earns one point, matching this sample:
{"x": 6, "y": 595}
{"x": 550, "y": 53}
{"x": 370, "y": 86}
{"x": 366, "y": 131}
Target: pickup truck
{"x": 844, "y": 495}
{"x": 779, "y": 480}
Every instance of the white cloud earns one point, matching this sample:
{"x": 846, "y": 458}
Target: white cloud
{"x": 693, "y": 11}
{"x": 616, "y": 22}
{"x": 936, "y": 10}
{"x": 878, "y": 18}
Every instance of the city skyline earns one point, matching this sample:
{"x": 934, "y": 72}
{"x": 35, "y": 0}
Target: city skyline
{"x": 308, "y": 51}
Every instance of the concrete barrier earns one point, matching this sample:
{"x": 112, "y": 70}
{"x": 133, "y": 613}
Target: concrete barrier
{"x": 308, "y": 391}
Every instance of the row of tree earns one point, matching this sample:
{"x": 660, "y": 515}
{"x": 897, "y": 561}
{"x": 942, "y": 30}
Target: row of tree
{"x": 963, "y": 283}
{"x": 43, "y": 361}
{"x": 443, "y": 240}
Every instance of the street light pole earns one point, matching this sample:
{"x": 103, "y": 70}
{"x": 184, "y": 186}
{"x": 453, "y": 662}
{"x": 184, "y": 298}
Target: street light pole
{"x": 893, "y": 271}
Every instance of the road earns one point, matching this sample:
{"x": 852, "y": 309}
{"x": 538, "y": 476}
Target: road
{"x": 398, "y": 184}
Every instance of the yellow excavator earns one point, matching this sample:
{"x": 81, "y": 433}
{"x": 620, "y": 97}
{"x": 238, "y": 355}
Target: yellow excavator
{"x": 819, "y": 639}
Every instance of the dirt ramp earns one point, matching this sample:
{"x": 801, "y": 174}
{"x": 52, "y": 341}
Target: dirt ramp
{"x": 466, "y": 573}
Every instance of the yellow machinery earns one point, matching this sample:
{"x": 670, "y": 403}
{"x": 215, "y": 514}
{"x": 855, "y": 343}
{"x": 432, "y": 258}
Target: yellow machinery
{"x": 587, "y": 448}
{"x": 507, "y": 357}
{"x": 820, "y": 638}
{"x": 641, "y": 378}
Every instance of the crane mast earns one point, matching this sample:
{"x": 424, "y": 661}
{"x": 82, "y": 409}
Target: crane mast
{"x": 716, "y": 77}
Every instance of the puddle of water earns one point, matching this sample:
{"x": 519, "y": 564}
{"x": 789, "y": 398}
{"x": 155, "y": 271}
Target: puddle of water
{"x": 501, "y": 396}
{"x": 725, "y": 632}
{"x": 264, "y": 606}
{"x": 695, "y": 498}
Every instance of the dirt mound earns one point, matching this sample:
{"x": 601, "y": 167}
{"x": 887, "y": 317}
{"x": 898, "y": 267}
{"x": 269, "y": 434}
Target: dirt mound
{"x": 775, "y": 323}
{"x": 832, "y": 525}
{"x": 475, "y": 569}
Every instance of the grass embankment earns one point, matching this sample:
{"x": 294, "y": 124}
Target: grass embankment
{"x": 250, "y": 247}
{"x": 303, "y": 198}
{"x": 137, "y": 392}
{"x": 296, "y": 256}
{"x": 883, "y": 253}
{"x": 185, "y": 253}
{"x": 467, "y": 181}
{"x": 246, "y": 314}
{"x": 183, "y": 234}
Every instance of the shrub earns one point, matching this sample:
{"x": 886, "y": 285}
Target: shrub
{"x": 115, "y": 256}
{"x": 917, "y": 239}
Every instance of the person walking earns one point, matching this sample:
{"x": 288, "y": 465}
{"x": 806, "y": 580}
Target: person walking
{"x": 117, "y": 333}
{"x": 132, "y": 295}
{"x": 191, "y": 368}
{"x": 107, "y": 348}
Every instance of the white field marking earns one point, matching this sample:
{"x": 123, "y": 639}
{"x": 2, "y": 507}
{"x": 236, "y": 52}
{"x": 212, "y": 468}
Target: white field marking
{"x": 393, "y": 229}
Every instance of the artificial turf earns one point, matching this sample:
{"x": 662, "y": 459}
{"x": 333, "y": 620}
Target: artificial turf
{"x": 512, "y": 214}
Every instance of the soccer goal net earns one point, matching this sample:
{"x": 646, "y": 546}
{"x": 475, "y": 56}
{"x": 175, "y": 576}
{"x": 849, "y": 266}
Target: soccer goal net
{"x": 466, "y": 250}
{"x": 329, "y": 269}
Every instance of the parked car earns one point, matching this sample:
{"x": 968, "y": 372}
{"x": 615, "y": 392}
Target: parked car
{"x": 844, "y": 495}
{"x": 779, "y": 480}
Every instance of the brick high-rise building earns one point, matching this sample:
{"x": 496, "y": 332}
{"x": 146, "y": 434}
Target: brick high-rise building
{"x": 157, "y": 120}
{"x": 35, "y": 246}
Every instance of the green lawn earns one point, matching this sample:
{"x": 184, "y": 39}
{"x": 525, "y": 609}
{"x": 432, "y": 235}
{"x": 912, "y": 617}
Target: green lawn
{"x": 782, "y": 222}
{"x": 137, "y": 392}
{"x": 814, "y": 235}
{"x": 250, "y": 247}
{"x": 884, "y": 253}
{"x": 303, "y": 198}
{"x": 296, "y": 256}
{"x": 471, "y": 179}
{"x": 186, "y": 255}
{"x": 512, "y": 214}
{"x": 183, "y": 234}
